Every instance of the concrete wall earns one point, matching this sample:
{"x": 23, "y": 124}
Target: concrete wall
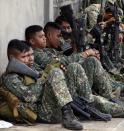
{"x": 48, "y": 11}
{"x": 15, "y": 16}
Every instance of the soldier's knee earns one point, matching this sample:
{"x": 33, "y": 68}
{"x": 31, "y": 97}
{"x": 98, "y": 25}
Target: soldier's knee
{"x": 74, "y": 66}
{"x": 75, "y": 69}
{"x": 93, "y": 60}
{"x": 55, "y": 74}
{"x": 56, "y": 71}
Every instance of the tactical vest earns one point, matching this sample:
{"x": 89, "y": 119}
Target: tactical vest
{"x": 10, "y": 108}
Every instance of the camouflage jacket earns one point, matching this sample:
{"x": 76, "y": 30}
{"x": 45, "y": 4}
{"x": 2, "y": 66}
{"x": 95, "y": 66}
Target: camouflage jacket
{"x": 25, "y": 87}
{"x": 44, "y": 57}
{"x": 37, "y": 94}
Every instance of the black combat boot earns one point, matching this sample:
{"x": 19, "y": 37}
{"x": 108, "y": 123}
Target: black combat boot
{"x": 69, "y": 121}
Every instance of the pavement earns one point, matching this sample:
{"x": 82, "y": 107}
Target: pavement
{"x": 116, "y": 124}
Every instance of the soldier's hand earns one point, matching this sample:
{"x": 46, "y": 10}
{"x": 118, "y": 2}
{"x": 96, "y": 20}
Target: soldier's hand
{"x": 102, "y": 25}
{"x": 63, "y": 67}
{"x": 97, "y": 54}
{"x": 93, "y": 52}
{"x": 120, "y": 38}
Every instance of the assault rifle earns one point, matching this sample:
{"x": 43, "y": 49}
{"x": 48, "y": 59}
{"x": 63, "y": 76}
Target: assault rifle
{"x": 100, "y": 44}
{"x": 78, "y": 26}
{"x": 115, "y": 48}
{"x": 86, "y": 110}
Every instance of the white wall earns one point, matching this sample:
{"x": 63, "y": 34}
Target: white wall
{"x": 15, "y": 16}
{"x": 48, "y": 10}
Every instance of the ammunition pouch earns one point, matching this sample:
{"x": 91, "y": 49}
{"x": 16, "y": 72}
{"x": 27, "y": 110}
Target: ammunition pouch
{"x": 26, "y": 113}
{"x": 10, "y": 108}
{"x": 55, "y": 63}
{"x": 5, "y": 112}
{"x": 28, "y": 80}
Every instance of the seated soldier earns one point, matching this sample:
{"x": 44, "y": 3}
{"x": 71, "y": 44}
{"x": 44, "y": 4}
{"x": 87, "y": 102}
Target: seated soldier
{"x": 33, "y": 33}
{"x": 79, "y": 80}
{"x": 49, "y": 98}
{"x": 67, "y": 32}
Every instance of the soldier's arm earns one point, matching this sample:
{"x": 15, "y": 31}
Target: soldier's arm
{"x": 28, "y": 93}
{"x": 42, "y": 58}
{"x": 76, "y": 57}
{"x": 45, "y": 57}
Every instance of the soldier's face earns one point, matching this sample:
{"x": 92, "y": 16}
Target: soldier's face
{"x": 54, "y": 38}
{"x": 26, "y": 57}
{"x": 22, "y": 57}
{"x": 66, "y": 27}
{"x": 39, "y": 40}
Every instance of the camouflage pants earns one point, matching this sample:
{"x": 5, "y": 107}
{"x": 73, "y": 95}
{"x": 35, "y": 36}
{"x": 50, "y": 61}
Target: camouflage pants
{"x": 98, "y": 78}
{"x": 92, "y": 76}
{"x": 55, "y": 96}
{"x": 81, "y": 84}
{"x": 109, "y": 107}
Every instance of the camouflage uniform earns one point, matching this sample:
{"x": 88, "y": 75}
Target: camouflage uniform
{"x": 44, "y": 98}
{"x": 78, "y": 84}
{"x": 44, "y": 57}
{"x": 92, "y": 12}
{"x": 96, "y": 75}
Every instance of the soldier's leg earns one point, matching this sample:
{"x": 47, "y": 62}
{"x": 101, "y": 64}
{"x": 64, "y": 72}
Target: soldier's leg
{"x": 56, "y": 95}
{"x": 106, "y": 106}
{"x": 98, "y": 77}
{"x": 56, "y": 102}
{"x": 78, "y": 84}
{"x": 78, "y": 81}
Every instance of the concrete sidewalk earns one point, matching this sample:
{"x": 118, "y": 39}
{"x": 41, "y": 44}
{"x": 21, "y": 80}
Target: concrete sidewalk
{"x": 116, "y": 124}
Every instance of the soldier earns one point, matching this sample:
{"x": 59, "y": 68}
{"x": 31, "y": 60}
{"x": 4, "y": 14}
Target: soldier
{"x": 49, "y": 98}
{"x": 92, "y": 67}
{"x": 93, "y": 10}
{"x": 64, "y": 24}
{"x": 114, "y": 33}
{"x": 68, "y": 33}
{"x": 80, "y": 81}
